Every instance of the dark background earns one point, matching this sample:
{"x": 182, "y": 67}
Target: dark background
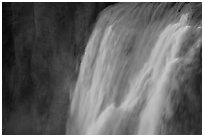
{"x": 42, "y": 48}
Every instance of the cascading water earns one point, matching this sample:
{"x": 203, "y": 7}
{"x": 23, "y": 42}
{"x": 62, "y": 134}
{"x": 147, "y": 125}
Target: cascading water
{"x": 129, "y": 70}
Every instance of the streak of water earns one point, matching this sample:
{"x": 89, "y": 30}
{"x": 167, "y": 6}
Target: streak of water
{"x": 111, "y": 96}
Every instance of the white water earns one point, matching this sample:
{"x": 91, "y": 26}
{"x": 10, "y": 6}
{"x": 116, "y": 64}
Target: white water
{"x": 115, "y": 96}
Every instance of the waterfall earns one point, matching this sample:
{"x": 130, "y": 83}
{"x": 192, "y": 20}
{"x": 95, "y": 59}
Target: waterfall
{"x": 128, "y": 71}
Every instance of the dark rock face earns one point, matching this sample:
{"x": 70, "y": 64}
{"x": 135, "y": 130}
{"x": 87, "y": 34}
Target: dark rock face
{"x": 42, "y": 47}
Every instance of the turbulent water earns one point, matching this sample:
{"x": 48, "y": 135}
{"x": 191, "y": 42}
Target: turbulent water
{"x": 130, "y": 72}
